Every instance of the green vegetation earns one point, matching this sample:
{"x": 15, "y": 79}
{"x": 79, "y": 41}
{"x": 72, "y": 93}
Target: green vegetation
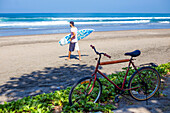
{"x": 163, "y": 69}
{"x": 46, "y": 103}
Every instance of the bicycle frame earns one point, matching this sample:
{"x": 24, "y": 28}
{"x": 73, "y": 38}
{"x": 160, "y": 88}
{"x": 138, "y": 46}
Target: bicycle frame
{"x": 114, "y": 62}
{"x": 91, "y": 87}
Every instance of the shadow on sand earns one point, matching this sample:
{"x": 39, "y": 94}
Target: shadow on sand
{"x": 44, "y": 81}
{"x": 73, "y": 56}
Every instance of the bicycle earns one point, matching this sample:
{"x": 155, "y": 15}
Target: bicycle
{"x": 143, "y": 83}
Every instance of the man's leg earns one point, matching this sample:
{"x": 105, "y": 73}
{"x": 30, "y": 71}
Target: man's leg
{"x": 79, "y": 55}
{"x": 69, "y": 54}
{"x": 78, "y": 50}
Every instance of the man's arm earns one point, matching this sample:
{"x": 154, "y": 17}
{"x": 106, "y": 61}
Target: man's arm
{"x": 72, "y": 36}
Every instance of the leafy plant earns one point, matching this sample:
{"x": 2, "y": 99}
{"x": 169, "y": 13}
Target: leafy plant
{"x": 47, "y": 103}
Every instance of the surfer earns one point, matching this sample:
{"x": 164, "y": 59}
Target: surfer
{"x": 73, "y": 41}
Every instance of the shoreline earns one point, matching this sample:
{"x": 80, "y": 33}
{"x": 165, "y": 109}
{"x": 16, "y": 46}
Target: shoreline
{"x": 94, "y": 31}
{"x": 36, "y": 64}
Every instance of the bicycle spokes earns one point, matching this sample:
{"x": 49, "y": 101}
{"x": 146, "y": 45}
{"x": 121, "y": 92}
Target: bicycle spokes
{"x": 147, "y": 80}
{"x": 80, "y": 92}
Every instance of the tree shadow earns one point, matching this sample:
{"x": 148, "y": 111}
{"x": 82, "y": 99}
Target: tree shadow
{"x": 72, "y": 56}
{"x": 47, "y": 80}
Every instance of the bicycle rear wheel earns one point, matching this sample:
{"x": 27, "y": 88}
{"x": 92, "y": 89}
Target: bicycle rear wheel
{"x": 80, "y": 91}
{"x": 147, "y": 80}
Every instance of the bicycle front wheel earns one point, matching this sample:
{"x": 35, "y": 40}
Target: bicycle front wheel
{"x": 145, "y": 83}
{"x": 85, "y": 90}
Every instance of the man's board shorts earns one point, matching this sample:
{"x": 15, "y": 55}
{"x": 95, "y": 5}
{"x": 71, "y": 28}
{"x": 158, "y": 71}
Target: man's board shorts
{"x": 74, "y": 46}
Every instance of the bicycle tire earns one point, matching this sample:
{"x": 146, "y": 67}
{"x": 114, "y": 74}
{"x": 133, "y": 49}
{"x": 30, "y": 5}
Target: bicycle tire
{"x": 80, "y": 91}
{"x": 148, "y": 81}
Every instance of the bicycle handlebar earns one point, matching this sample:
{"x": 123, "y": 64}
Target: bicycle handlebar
{"x": 107, "y": 55}
{"x": 99, "y": 53}
{"x": 92, "y": 46}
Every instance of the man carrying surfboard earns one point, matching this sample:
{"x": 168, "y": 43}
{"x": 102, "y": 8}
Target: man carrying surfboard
{"x": 73, "y": 41}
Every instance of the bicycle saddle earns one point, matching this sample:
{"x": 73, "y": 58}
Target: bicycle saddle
{"x": 134, "y": 53}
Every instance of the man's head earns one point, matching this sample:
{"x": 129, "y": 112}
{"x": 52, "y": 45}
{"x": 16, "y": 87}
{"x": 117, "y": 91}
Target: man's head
{"x": 71, "y": 23}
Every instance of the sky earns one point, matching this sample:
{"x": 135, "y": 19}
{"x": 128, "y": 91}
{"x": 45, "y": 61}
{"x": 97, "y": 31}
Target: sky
{"x": 84, "y": 6}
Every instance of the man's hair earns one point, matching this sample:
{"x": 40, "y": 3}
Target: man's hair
{"x": 71, "y": 22}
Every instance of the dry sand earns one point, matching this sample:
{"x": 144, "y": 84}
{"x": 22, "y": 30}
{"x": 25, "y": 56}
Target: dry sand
{"x": 36, "y": 64}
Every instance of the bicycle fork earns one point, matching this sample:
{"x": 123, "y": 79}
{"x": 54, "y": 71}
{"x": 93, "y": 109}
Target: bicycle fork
{"x": 92, "y": 85}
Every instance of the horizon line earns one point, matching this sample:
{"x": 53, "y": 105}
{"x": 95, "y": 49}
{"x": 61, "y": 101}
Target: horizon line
{"x": 81, "y": 12}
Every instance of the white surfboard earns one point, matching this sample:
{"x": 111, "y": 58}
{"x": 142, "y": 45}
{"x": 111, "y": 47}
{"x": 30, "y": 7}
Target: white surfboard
{"x": 80, "y": 35}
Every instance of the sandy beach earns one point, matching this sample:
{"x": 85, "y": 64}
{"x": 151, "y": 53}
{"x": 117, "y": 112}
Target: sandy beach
{"x": 36, "y": 64}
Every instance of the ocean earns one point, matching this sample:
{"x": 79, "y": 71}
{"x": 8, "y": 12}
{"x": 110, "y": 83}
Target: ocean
{"x": 12, "y": 24}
